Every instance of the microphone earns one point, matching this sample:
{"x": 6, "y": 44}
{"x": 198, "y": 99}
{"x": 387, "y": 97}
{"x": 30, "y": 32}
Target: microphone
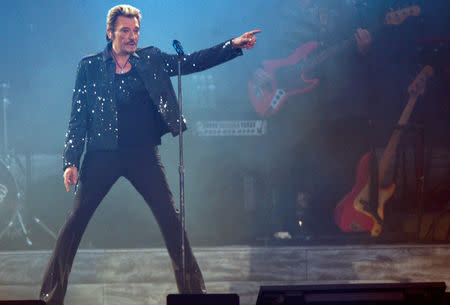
{"x": 178, "y": 48}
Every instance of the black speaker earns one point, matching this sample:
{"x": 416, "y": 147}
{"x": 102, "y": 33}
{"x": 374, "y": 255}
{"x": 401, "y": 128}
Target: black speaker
{"x": 22, "y": 302}
{"x": 354, "y": 294}
{"x": 202, "y": 299}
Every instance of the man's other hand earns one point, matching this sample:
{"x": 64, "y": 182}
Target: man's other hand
{"x": 363, "y": 40}
{"x": 70, "y": 177}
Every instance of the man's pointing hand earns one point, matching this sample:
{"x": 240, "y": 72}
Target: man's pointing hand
{"x": 246, "y": 40}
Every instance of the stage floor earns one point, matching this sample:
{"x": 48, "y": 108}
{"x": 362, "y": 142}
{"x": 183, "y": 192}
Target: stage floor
{"x": 144, "y": 276}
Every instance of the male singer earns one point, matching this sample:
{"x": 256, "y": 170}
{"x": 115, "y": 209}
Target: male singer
{"x": 123, "y": 102}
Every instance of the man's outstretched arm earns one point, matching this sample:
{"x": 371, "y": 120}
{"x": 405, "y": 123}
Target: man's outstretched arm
{"x": 207, "y": 58}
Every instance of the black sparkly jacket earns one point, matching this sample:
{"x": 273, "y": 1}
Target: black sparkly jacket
{"x": 93, "y": 120}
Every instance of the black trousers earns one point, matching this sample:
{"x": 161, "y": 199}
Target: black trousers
{"x": 99, "y": 171}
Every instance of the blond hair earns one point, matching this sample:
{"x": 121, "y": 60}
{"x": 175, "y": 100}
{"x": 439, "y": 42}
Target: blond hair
{"x": 121, "y": 10}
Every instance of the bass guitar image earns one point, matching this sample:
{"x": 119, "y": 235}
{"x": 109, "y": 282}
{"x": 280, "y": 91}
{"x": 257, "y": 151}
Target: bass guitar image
{"x": 265, "y": 93}
{"x": 356, "y": 211}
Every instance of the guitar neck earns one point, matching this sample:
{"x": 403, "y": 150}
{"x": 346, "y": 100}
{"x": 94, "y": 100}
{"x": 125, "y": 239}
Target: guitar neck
{"x": 395, "y": 138}
{"x": 324, "y": 55}
{"x": 392, "y": 18}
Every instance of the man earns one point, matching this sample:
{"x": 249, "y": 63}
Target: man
{"x": 123, "y": 102}
{"x": 328, "y": 22}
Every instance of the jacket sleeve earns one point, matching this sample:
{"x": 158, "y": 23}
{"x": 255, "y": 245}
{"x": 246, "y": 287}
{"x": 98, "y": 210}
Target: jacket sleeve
{"x": 76, "y": 133}
{"x": 200, "y": 60}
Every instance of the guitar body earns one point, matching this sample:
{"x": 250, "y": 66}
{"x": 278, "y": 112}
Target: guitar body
{"x": 266, "y": 97}
{"x": 356, "y": 212}
{"x": 351, "y": 214}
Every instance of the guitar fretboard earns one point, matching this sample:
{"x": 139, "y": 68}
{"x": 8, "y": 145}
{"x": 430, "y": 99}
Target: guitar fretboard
{"x": 313, "y": 62}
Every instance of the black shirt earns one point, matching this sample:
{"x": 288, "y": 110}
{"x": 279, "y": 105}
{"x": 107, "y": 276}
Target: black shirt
{"x": 138, "y": 119}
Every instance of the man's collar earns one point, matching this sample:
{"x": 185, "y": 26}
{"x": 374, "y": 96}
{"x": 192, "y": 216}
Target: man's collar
{"x": 107, "y": 53}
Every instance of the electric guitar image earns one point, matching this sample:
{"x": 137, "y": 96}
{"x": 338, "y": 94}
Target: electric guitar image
{"x": 268, "y": 97}
{"x": 356, "y": 211}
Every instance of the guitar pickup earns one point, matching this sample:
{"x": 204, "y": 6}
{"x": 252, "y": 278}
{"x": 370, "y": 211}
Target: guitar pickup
{"x": 279, "y": 94}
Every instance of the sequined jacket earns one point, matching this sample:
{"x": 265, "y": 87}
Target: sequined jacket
{"x": 94, "y": 122}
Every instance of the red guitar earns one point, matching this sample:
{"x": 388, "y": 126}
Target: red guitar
{"x": 355, "y": 212}
{"x": 267, "y": 97}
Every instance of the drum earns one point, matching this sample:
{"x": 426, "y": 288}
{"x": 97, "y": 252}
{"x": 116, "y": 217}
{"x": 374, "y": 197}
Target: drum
{"x": 11, "y": 191}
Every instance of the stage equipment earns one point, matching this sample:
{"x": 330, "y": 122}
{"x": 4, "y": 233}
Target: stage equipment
{"x": 11, "y": 199}
{"x": 231, "y": 128}
{"x": 5, "y": 102}
{"x": 202, "y": 299}
{"x": 354, "y": 294}
{"x": 12, "y": 185}
{"x": 11, "y": 174}
{"x": 179, "y": 49}
{"x": 22, "y": 302}
{"x": 204, "y": 91}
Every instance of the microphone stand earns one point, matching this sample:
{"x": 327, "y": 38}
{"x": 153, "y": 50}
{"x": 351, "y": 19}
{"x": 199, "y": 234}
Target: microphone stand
{"x": 5, "y": 102}
{"x": 176, "y": 44}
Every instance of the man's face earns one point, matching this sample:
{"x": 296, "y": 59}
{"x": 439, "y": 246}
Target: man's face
{"x": 125, "y": 37}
